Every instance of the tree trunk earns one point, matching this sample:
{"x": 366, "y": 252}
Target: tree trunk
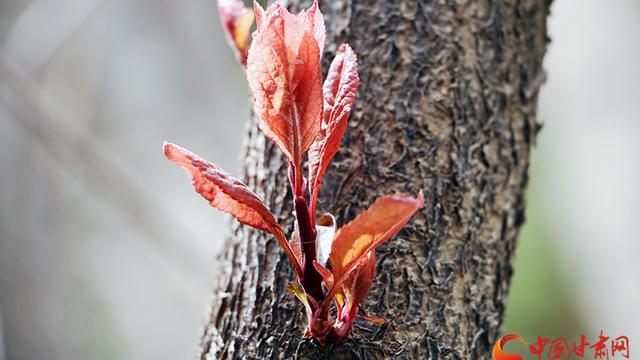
{"x": 446, "y": 104}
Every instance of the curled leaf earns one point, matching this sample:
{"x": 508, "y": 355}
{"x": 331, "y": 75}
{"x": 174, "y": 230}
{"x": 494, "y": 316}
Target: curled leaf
{"x": 339, "y": 90}
{"x": 325, "y": 229}
{"x": 284, "y": 74}
{"x": 295, "y": 243}
{"x": 228, "y": 194}
{"x": 236, "y": 21}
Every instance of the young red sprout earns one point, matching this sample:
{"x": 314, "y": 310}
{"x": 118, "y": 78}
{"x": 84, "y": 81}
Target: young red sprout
{"x": 302, "y": 116}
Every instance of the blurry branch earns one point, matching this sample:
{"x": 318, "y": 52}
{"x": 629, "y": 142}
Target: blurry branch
{"x": 66, "y": 16}
{"x": 69, "y": 145}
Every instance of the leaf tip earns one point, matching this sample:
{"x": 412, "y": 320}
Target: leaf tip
{"x": 166, "y": 148}
{"x": 169, "y": 150}
{"x": 258, "y": 12}
{"x": 176, "y": 154}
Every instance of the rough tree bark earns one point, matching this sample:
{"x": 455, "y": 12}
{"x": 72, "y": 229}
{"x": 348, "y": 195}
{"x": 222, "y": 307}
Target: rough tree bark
{"x": 447, "y": 104}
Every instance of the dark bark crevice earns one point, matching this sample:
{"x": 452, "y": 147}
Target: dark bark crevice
{"x": 446, "y": 104}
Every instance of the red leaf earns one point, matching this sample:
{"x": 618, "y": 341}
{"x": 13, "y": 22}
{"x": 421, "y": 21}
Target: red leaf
{"x": 327, "y": 277}
{"x": 326, "y": 274}
{"x": 367, "y": 231}
{"x": 283, "y": 69}
{"x": 228, "y": 194}
{"x": 223, "y": 191}
{"x": 236, "y": 21}
{"x": 340, "y": 89}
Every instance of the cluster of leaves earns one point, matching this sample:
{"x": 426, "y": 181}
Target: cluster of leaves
{"x": 303, "y": 116}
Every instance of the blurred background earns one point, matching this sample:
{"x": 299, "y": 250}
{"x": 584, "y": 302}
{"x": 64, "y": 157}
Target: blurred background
{"x": 106, "y": 252}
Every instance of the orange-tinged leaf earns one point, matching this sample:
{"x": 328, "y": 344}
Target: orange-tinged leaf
{"x": 368, "y": 230}
{"x": 339, "y": 90}
{"x": 362, "y": 278}
{"x": 283, "y": 69}
{"x": 228, "y": 194}
{"x": 236, "y": 21}
{"x": 365, "y": 233}
{"x": 356, "y": 284}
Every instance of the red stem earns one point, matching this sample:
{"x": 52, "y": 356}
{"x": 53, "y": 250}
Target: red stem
{"x": 312, "y": 281}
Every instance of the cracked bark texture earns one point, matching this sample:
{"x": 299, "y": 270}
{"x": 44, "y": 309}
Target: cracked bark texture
{"x": 447, "y": 104}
